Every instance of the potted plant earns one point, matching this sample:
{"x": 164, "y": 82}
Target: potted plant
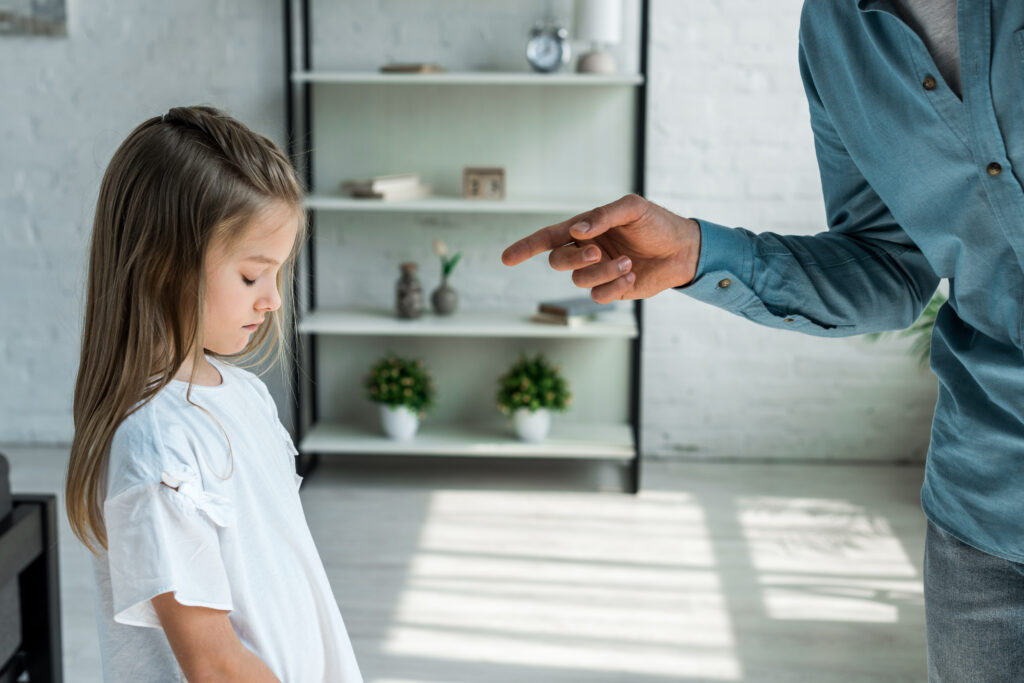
{"x": 445, "y": 298}
{"x": 529, "y": 391}
{"x": 920, "y": 332}
{"x": 405, "y": 391}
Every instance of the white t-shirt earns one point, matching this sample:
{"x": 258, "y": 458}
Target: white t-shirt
{"x": 239, "y": 543}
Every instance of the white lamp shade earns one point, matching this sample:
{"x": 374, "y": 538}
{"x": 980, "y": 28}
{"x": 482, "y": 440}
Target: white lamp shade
{"x": 599, "y": 21}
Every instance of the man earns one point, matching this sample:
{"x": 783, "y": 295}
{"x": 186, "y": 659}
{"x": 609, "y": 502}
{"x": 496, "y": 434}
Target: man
{"x": 917, "y": 109}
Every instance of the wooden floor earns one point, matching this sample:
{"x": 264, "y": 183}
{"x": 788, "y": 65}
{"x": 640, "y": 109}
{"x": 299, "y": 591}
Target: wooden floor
{"x": 461, "y": 570}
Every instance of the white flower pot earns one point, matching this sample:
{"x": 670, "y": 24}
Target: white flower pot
{"x": 399, "y": 422}
{"x": 532, "y": 426}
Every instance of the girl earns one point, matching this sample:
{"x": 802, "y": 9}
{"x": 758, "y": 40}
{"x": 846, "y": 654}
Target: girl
{"x": 181, "y": 479}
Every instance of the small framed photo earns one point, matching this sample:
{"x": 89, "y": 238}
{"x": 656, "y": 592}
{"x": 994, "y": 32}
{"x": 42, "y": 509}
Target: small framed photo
{"x": 483, "y": 182}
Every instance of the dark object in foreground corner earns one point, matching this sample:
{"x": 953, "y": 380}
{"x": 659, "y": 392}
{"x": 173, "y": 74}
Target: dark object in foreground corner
{"x": 30, "y": 638}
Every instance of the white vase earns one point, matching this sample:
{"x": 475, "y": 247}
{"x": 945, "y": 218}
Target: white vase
{"x": 399, "y": 422}
{"x": 532, "y": 426}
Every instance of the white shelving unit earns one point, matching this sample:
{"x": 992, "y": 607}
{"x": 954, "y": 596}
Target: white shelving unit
{"x": 452, "y": 205}
{"x": 569, "y": 142}
{"x": 487, "y": 324}
{"x": 583, "y": 440}
{"x": 466, "y": 78}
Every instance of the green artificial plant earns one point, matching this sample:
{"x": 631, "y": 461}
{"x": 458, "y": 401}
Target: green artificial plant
{"x": 533, "y": 383}
{"x": 920, "y": 331}
{"x": 447, "y": 263}
{"x": 396, "y": 381}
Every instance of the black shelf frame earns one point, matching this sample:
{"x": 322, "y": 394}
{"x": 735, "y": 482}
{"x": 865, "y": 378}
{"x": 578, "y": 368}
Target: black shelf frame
{"x": 299, "y": 107}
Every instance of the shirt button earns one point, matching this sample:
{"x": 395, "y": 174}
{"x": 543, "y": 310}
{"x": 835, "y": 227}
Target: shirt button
{"x": 788, "y": 320}
{"x": 928, "y": 83}
{"x": 994, "y": 169}
{"x": 724, "y": 283}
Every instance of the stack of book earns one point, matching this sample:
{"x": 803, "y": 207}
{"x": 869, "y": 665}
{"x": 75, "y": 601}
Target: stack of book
{"x": 387, "y": 187}
{"x": 414, "y": 68}
{"x": 570, "y": 312}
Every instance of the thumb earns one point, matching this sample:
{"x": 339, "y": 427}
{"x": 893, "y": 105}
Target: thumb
{"x": 598, "y": 221}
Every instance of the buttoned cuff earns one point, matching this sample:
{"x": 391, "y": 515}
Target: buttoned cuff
{"x": 725, "y": 271}
{"x": 726, "y": 258}
{"x": 723, "y": 248}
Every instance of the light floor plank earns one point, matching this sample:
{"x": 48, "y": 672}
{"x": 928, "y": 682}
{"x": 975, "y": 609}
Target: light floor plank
{"x": 461, "y": 570}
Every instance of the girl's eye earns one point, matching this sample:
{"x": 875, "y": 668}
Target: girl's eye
{"x": 248, "y": 282}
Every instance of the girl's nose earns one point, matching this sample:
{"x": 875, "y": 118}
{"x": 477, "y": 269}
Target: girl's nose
{"x": 270, "y": 302}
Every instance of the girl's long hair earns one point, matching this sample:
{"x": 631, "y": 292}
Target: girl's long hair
{"x": 177, "y": 183}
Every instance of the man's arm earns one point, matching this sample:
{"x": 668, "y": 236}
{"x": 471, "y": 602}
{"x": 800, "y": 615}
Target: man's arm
{"x": 206, "y": 646}
{"x": 863, "y": 275}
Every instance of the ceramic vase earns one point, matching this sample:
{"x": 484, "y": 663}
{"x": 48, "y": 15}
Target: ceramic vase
{"x": 399, "y": 423}
{"x": 444, "y": 298}
{"x": 408, "y": 293}
{"x": 532, "y": 426}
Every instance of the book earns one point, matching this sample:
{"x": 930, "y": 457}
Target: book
{"x": 380, "y": 183}
{"x": 582, "y": 305}
{"x": 566, "y": 320}
{"x": 418, "y": 191}
{"x": 413, "y": 68}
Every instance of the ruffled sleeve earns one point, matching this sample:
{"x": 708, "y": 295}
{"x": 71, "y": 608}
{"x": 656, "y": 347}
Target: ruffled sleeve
{"x": 163, "y": 536}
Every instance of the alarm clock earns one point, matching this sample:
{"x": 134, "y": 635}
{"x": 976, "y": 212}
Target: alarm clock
{"x": 548, "y": 48}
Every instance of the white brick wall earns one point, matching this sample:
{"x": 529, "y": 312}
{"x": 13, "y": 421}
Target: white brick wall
{"x": 66, "y": 105}
{"x": 728, "y": 140}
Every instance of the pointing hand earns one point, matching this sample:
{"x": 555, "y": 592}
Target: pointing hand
{"x": 629, "y": 249}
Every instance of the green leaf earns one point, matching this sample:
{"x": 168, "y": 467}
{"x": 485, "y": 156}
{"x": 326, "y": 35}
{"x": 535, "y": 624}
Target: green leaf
{"x": 448, "y": 265}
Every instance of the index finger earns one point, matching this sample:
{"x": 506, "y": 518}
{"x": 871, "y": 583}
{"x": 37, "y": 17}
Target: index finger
{"x": 597, "y": 221}
{"x": 543, "y": 240}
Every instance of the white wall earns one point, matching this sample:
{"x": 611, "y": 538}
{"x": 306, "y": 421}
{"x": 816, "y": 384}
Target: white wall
{"x": 728, "y": 140}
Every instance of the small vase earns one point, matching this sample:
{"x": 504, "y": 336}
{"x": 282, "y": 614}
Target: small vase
{"x": 408, "y": 293}
{"x": 399, "y": 423}
{"x": 532, "y": 426}
{"x": 444, "y": 298}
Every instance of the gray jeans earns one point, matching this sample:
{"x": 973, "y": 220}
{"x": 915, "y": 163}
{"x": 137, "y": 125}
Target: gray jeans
{"x": 974, "y": 609}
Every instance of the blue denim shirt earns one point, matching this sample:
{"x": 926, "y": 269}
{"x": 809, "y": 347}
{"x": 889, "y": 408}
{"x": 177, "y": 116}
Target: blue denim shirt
{"x": 918, "y": 185}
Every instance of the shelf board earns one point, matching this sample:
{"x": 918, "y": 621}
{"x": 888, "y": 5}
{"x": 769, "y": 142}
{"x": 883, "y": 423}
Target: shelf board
{"x": 620, "y": 323}
{"x": 568, "y": 439}
{"x": 452, "y": 205}
{"x": 466, "y": 78}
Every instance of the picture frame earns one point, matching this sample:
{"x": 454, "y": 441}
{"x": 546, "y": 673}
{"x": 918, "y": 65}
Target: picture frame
{"x": 483, "y": 182}
{"x": 33, "y": 18}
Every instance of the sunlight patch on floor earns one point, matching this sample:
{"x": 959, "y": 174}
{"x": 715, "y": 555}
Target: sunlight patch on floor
{"x": 600, "y": 583}
{"x": 827, "y": 560}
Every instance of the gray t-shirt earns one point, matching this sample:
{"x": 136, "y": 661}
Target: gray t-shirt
{"x": 935, "y": 22}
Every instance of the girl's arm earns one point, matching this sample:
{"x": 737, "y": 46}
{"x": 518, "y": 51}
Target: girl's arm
{"x": 206, "y": 646}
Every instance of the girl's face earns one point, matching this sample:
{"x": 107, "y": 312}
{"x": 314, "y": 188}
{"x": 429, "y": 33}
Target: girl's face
{"x": 241, "y": 284}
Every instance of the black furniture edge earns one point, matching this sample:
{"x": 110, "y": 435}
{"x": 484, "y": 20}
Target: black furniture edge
{"x": 28, "y": 550}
